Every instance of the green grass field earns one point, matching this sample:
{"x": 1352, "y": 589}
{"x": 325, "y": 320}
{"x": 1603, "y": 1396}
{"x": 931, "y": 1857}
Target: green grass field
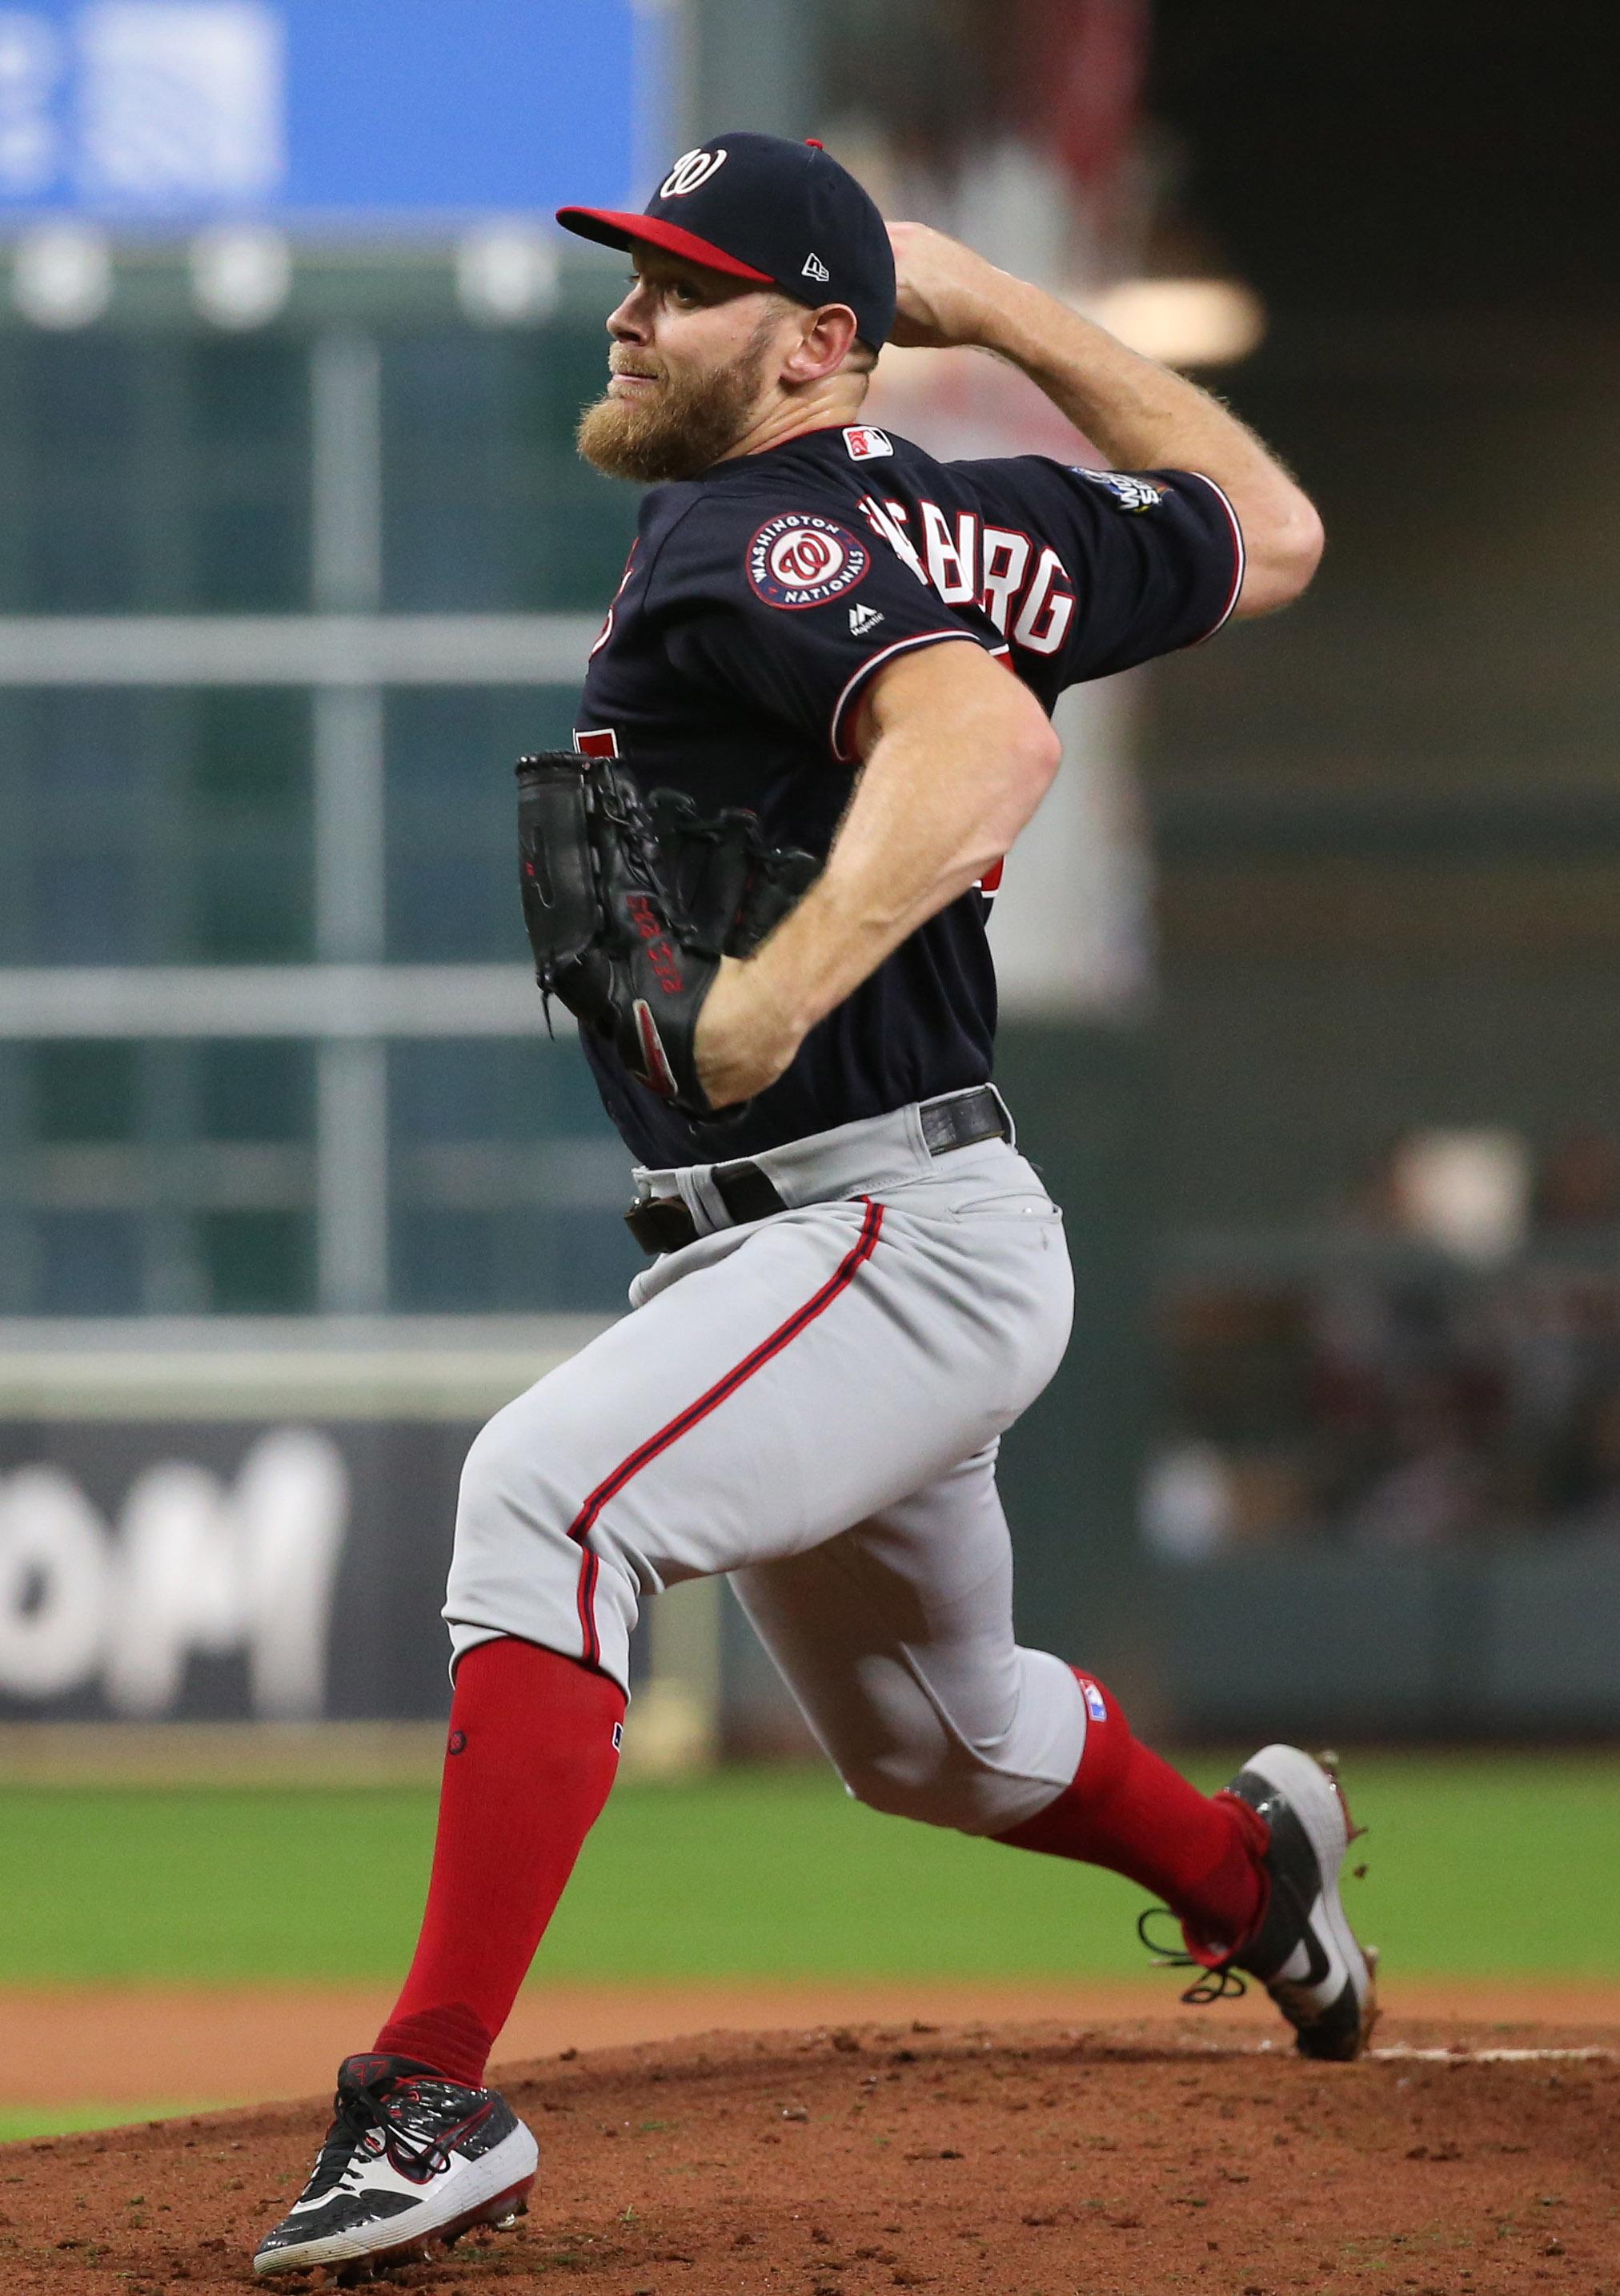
{"x": 1478, "y": 1866}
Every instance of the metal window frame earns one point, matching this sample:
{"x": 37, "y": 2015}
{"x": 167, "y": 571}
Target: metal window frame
{"x": 346, "y": 654}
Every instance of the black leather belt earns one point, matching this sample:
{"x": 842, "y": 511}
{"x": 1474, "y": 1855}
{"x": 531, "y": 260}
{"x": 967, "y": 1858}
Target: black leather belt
{"x": 663, "y": 1223}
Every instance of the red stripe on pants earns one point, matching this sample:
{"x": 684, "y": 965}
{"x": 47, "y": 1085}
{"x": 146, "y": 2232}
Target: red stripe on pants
{"x": 580, "y": 1528}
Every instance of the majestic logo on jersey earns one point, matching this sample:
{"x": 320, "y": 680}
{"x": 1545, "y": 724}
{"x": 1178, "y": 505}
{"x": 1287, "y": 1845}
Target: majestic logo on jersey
{"x": 863, "y": 442}
{"x": 800, "y": 559}
{"x": 690, "y": 169}
{"x": 815, "y": 268}
{"x": 1129, "y": 494}
{"x": 862, "y": 618}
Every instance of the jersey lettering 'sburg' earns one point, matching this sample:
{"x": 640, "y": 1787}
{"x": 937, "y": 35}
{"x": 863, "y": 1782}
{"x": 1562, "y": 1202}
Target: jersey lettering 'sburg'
{"x": 758, "y": 602}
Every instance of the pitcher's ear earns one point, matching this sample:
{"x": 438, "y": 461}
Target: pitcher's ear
{"x": 827, "y": 340}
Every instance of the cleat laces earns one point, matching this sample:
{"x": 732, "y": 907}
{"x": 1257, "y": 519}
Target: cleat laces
{"x": 1221, "y": 1982}
{"x": 401, "y": 2125}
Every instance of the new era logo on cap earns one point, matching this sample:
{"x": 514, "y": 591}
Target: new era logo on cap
{"x": 815, "y": 268}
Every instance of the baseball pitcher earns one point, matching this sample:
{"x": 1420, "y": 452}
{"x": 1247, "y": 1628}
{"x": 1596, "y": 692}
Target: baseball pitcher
{"x": 816, "y": 717}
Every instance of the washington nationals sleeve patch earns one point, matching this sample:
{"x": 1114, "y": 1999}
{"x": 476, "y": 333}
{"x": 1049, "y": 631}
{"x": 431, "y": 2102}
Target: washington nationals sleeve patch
{"x": 798, "y": 559}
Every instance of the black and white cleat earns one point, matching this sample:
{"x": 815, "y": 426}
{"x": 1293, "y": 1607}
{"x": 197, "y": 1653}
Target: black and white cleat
{"x": 1304, "y": 1952}
{"x": 410, "y": 2159}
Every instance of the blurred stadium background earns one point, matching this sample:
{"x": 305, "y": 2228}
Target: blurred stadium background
{"x": 1310, "y": 970}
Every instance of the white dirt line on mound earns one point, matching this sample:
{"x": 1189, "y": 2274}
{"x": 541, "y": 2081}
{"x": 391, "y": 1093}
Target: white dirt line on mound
{"x": 1403, "y": 2053}
{"x": 1400, "y": 2050}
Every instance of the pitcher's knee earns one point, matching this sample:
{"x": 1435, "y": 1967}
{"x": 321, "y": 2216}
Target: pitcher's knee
{"x": 516, "y": 1567}
{"x": 938, "y": 1784}
{"x": 510, "y": 1476}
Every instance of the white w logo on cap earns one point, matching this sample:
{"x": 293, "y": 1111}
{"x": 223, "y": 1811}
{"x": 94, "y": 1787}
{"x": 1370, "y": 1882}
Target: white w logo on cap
{"x": 690, "y": 169}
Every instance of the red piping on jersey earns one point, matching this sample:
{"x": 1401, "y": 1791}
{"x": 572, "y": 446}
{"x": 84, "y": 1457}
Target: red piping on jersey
{"x": 1239, "y": 558}
{"x": 900, "y": 645}
{"x": 580, "y": 1528}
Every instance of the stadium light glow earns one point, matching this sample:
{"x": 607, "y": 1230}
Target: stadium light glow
{"x": 61, "y": 275}
{"x": 1184, "y": 322}
{"x": 242, "y": 274}
{"x": 506, "y": 274}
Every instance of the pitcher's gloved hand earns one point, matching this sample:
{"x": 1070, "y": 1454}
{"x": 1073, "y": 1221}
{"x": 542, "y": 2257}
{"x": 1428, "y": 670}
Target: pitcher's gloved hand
{"x": 631, "y": 904}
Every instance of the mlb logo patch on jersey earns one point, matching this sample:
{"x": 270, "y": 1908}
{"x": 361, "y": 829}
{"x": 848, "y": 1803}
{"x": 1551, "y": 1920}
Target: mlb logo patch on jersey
{"x": 863, "y": 442}
{"x": 1129, "y": 494}
{"x": 800, "y": 559}
{"x": 1096, "y": 1705}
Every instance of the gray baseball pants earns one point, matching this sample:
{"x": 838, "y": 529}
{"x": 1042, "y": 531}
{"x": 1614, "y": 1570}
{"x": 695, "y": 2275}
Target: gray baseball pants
{"x": 811, "y": 1402}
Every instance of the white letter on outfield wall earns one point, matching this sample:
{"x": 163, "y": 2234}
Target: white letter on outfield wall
{"x": 181, "y": 1585}
{"x": 53, "y": 1562}
{"x": 291, "y": 1503}
{"x": 209, "y": 1571}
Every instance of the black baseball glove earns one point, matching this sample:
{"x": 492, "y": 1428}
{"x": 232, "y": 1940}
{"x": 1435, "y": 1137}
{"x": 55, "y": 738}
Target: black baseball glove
{"x": 630, "y": 904}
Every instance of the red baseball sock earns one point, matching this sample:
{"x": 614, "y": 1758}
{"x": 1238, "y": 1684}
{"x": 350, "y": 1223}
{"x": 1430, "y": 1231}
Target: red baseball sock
{"x": 1128, "y": 1810}
{"x": 534, "y": 1746}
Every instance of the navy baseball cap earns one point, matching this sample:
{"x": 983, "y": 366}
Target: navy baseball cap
{"x": 762, "y": 208}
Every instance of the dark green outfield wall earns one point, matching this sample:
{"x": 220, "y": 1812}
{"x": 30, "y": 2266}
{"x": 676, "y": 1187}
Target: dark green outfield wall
{"x": 1512, "y": 1635}
{"x": 1070, "y": 1469}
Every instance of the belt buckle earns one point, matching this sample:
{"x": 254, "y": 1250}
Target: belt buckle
{"x": 962, "y": 1120}
{"x": 661, "y": 1224}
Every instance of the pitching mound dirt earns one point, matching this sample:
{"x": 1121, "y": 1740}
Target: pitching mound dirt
{"x": 1119, "y": 2161}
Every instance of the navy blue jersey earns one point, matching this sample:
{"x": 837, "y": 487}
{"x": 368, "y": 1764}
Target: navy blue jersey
{"x": 758, "y": 602}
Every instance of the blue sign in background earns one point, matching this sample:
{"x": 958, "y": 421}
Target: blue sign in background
{"x": 403, "y": 110}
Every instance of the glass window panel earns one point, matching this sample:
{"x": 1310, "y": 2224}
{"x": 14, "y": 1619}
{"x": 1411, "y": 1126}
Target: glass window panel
{"x": 494, "y": 1089}
{"x": 534, "y": 1262}
{"x": 244, "y": 912}
{"x": 74, "y": 406}
{"x": 255, "y": 1090}
{"x": 447, "y": 1263}
{"x": 249, "y": 753}
{"x": 450, "y": 1091}
{"x": 507, "y": 1181}
{"x": 83, "y": 805}
{"x": 488, "y": 506}
{"x": 572, "y": 546}
{"x": 79, "y": 395}
{"x": 244, "y": 773}
{"x": 85, "y": 1092}
{"x": 153, "y": 472}
{"x": 250, "y": 556}
{"x": 258, "y": 1262}
{"x": 252, "y": 398}
{"x": 85, "y": 912}
{"x": 89, "y": 1263}
{"x": 155, "y": 827}
{"x": 246, "y": 475}
{"x": 446, "y": 421}
{"x": 591, "y": 1264}
{"x": 452, "y": 814}
{"x": 82, "y": 555}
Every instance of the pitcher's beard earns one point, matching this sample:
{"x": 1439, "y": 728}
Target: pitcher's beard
{"x": 681, "y": 431}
